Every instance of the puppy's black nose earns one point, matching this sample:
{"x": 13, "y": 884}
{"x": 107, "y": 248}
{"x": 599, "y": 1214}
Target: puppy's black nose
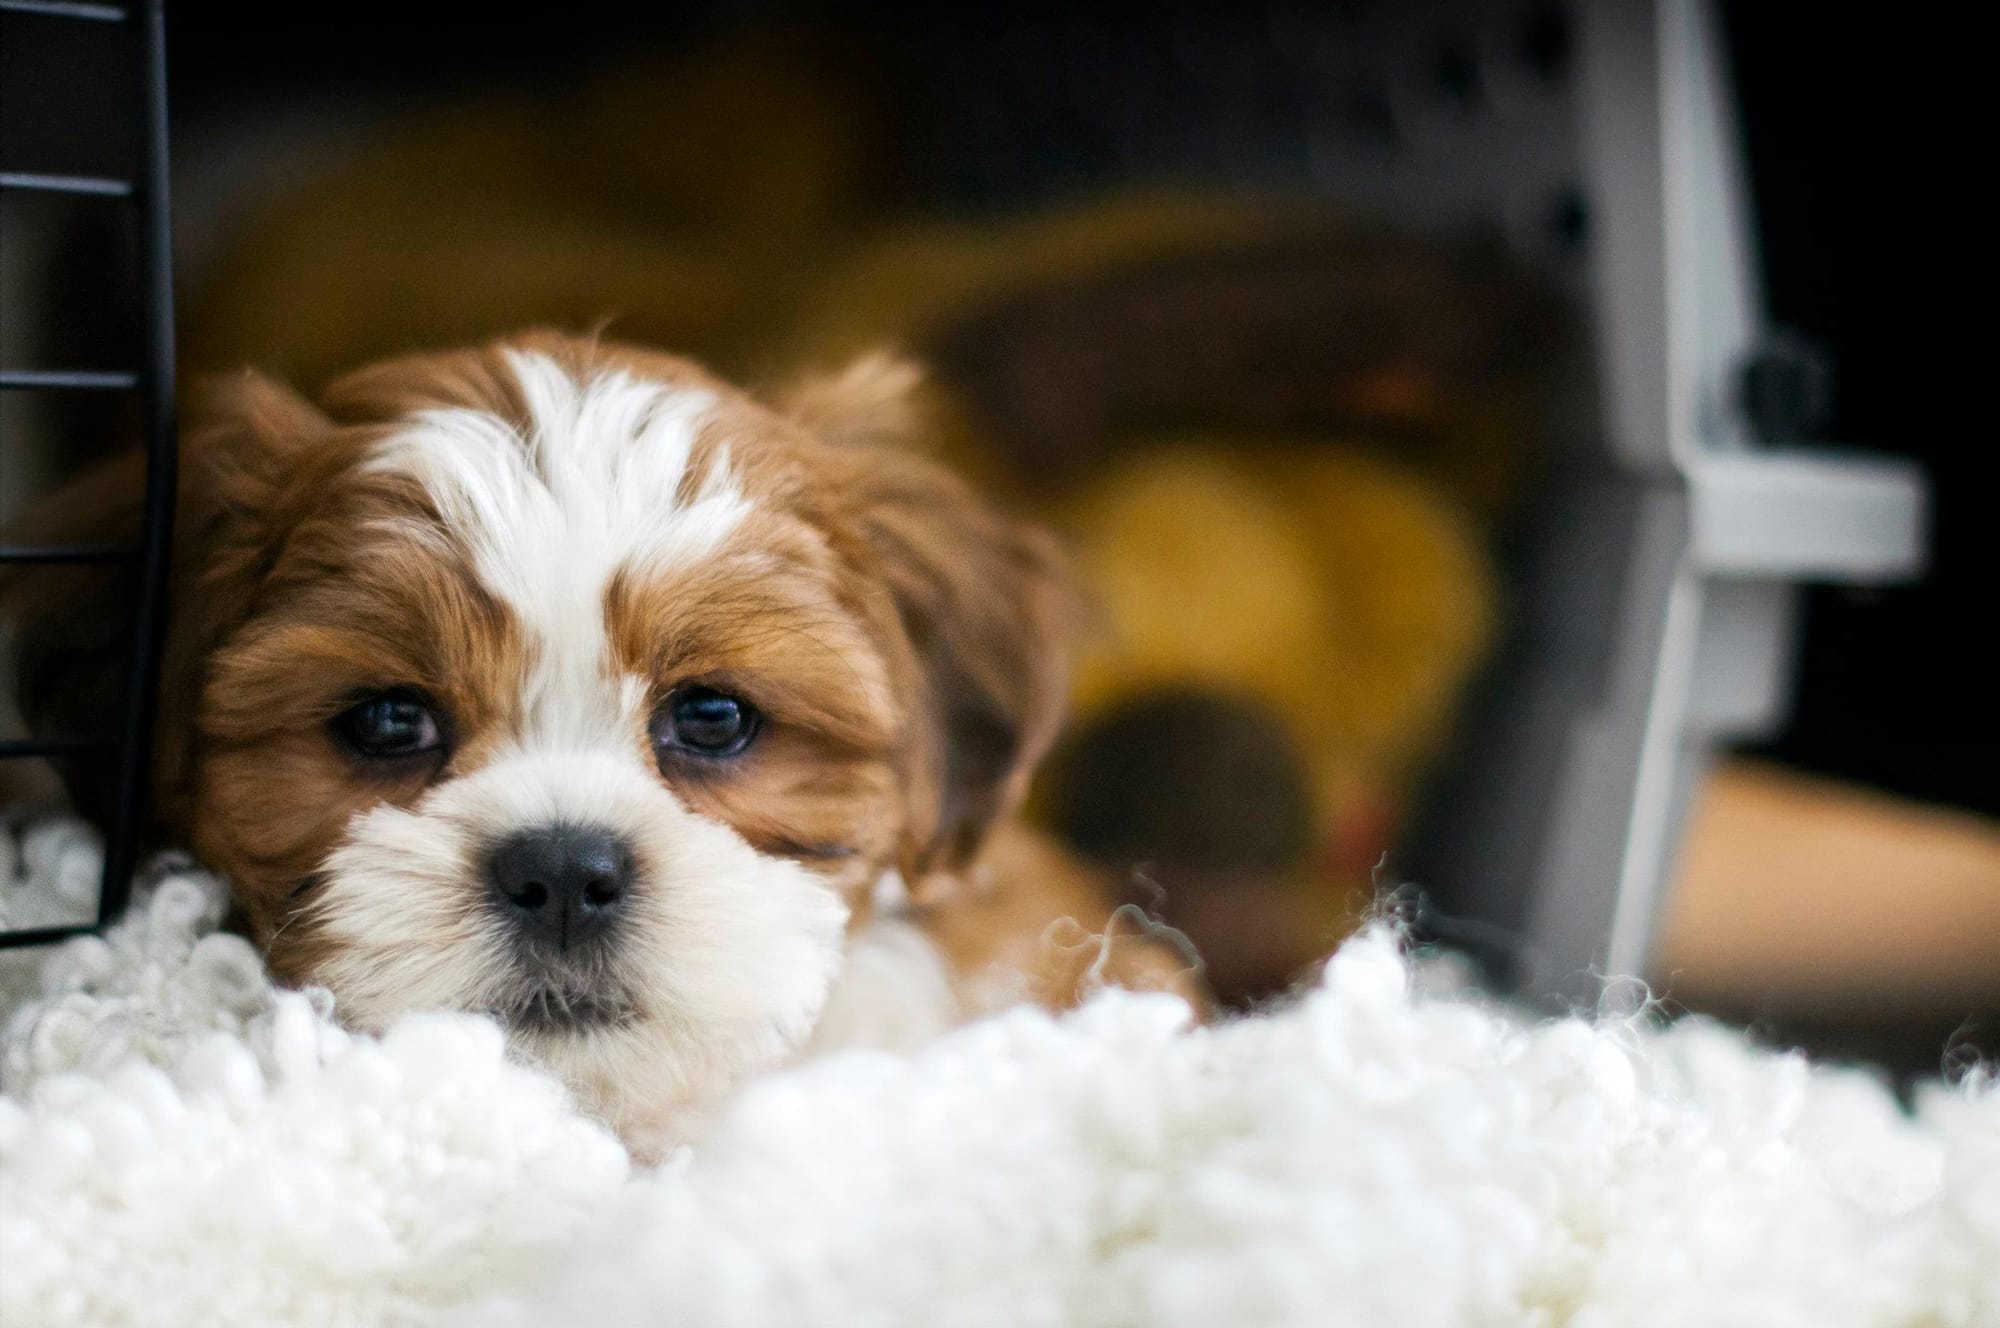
{"x": 563, "y": 885}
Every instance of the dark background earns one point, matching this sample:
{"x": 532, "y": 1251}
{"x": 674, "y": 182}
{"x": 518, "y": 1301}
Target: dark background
{"x": 1869, "y": 136}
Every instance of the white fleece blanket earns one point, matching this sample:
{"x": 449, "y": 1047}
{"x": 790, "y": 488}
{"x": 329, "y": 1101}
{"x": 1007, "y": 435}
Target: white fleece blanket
{"x": 181, "y": 1144}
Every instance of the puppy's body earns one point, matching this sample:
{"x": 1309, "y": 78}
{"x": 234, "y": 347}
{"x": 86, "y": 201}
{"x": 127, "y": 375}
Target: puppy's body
{"x": 562, "y": 681}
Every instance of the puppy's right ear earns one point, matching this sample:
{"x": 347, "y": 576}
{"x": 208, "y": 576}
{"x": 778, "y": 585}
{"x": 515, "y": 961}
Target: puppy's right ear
{"x": 70, "y": 625}
{"x": 242, "y": 447}
{"x": 244, "y": 464}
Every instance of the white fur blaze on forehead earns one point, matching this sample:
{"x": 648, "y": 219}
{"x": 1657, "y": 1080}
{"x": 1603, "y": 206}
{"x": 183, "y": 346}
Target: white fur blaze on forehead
{"x": 594, "y": 473}
{"x": 550, "y": 508}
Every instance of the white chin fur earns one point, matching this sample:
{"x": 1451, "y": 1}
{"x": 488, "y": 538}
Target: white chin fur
{"x": 727, "y": 954}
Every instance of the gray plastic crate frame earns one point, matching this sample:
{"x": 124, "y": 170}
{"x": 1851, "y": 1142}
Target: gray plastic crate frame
{"x": 1679, "y": 571}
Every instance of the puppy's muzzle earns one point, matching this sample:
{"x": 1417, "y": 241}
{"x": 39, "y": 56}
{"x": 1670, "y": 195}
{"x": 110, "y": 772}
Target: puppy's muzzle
{"x": 563, "y": 887}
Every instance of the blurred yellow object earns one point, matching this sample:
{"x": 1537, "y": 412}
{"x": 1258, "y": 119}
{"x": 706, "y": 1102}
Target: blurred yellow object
{"x": 1204, "y": 575}
{"x": 1320, "y": 584}
{"x": 1339, "y": 589}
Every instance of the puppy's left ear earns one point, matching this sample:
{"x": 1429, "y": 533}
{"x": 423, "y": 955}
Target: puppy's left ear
{"x": 983, "y": 609}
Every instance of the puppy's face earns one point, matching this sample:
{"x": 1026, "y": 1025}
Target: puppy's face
{"x": 566, "y": 683}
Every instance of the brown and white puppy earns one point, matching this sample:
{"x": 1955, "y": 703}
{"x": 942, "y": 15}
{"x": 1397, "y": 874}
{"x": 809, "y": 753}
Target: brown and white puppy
{"x": 559, "y": 680}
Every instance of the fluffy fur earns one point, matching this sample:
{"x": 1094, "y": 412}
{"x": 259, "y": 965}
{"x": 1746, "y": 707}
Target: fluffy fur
{"x": 546, "y": 541}
{"x": 183, "y": 1144}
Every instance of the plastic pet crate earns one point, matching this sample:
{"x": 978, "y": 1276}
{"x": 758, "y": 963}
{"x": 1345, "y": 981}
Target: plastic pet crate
{"x": 1653, "y": 611}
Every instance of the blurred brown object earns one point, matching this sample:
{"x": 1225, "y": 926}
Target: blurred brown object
{"x": 1068, "y": 339}
{"x": 1806, "y": 898}
{"x": 679, "y": 195}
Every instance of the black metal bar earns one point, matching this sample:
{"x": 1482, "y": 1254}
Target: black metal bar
{"x": 66, "y": 380}
{"x": 162, "y": 471}
{"x": 15, "y": 940}
{"x": 22, "y": 748}
{"x": 68, "y": 553}
{"x": 30, "y": 182}
{"x": 65, "y": 9}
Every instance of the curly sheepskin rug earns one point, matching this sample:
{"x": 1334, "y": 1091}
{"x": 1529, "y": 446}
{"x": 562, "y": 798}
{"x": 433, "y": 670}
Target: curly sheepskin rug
{"x": 180, "y": 1143}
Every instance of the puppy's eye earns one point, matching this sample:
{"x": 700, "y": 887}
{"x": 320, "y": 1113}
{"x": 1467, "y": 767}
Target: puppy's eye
{"x": 398, "y": 722}
{"x": 706, "y": 722}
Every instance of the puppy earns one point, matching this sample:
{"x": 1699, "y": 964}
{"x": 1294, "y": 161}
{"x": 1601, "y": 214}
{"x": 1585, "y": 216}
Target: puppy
{"x": 559, "y": 680}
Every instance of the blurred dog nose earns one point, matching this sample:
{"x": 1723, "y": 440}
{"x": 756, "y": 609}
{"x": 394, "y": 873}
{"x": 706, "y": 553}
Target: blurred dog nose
{"x": 562, "y": 885}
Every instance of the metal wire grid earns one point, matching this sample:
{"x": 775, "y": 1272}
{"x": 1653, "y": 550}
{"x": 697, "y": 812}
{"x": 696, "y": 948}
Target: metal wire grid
{"x": 153, "y": 381}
